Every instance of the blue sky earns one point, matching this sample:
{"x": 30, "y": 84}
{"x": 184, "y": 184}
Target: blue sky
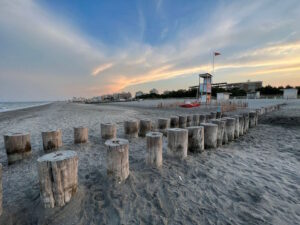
{"x": 61, "y": 48}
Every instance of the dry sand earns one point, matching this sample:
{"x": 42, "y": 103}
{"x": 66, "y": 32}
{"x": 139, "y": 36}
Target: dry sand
{"x": 254, "y": 180}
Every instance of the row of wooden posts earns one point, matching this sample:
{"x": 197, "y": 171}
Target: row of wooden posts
{"x": 58, "y": 170}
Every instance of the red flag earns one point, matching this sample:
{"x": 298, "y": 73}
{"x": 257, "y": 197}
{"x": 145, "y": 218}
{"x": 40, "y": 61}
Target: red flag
{"x": 217, "y": 53}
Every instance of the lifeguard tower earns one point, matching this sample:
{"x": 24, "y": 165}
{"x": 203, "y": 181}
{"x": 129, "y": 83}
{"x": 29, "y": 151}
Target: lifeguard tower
{"x": 205, "y": 87}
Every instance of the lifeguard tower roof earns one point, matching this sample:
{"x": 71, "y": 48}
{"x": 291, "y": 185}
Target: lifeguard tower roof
{"x": 205, "y": 75}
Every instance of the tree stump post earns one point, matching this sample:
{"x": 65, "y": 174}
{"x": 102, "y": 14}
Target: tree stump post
{"x": 81, "y": 135}
{"x": 195, "y": 120}
{"x": 196, "y": 139}
{"x": 145, "y": 127}
{"x": 52, "y": 140}
{"x": 246, "y": 122}
{"x": 131, "y": 128}
{"x": 202, "y": 118}
{"x": 210, "y": 135}
{"x": 237, "y": 126}
{"x": 17, "y": 147}
{"x": 58, "y": 177}
{"x": 108, "y": 131}
{"x": 241, "y": 125}
{"x": 213, "y": 115}
{"x": 162, "y": 125}
{"x": 221, "y": 130}
{"x": 182, "y": 121}
{"x": 174, "y": 122}
{"x": 225, "y": 136}
{"x": 252, "y": 119}
{"x": 178, "y": 142}
{"x": 230, "y": 128}
{"x": 154, "y": 149}
{"x": 117, "y": 159}
{"x": 189, "y": 119}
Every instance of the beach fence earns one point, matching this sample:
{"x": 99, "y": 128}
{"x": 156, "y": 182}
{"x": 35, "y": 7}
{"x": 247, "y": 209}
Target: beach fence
{"x": 58, "y": 170}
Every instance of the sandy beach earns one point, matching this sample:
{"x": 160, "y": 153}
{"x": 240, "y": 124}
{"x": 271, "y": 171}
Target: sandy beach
{"x": 253, "y": 180}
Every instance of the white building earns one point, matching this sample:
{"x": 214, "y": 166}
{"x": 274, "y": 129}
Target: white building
{"x": 253, "y": 95}
{"x": 223, "y": 96}
{"x": 154, "y": 91}
{"x": 290, "y": 93}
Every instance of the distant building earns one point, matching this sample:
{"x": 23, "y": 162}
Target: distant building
{"x": 290, "y": 93}
{"x": 122, "y": 96}
{"x": 249, "y": 86}
{"x": 253, "y": 95}
{"x": 154, "y": 91}
{"x": 223, "y": 96}
{"x": 138, "y": 94}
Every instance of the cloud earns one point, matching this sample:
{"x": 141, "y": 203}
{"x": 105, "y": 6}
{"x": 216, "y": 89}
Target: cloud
{"x": 257, "y": 39}
{"x": 102, "y": 68}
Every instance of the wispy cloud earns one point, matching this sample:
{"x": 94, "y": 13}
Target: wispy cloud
{"x": 256, "y": 39}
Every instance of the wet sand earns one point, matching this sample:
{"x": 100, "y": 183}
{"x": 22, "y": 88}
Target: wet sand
{"x": 253, "y": 180}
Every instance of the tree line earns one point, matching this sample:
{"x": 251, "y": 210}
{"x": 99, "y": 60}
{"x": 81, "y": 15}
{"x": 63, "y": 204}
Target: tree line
{"x": 235, "y": 92}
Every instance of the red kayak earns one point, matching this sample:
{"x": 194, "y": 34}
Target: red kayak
{"x": 190, "y": 105}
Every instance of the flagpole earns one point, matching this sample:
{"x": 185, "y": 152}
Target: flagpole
{"x": 213, "y": 63}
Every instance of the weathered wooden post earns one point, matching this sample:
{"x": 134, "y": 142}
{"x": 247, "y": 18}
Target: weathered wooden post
{"x": 162, "y": 125}
{"x": 182, "y": 121}
{"x": 108, "y": 131}
{"x": 252, "y": 119}
{"x": 202, "y": 118}
{"x": 210, "y": 135}
{"x": 219, "y": 115}
{"x": 178, "y": 142}
{"x": 154, "y": 149}
{"x": 52, "y": 140}
{"x": 195, "y": 120}
{"x": 80, "y": 135}
{"x": 117, "y": 159}
{"x": 1, "y": 209}
{"x": 145, "y": 127}
{"x": 17, "y": 146}
{"x": 131, "y": 128}
{"x": 241, "y": 125}
{"x": 221, "y": 130}
{"x": 189, "y": 120}
{"x": 230, "y": 128}
{"x": 246, "y": 122}
{"x": 237, "y": 126}
{"x": 213, "y": 115}
{"x": 225, "y": 136}
{"x": 58, "y": 177}
{"x": 174, "y": 122}
{"x": 196, "y": 138}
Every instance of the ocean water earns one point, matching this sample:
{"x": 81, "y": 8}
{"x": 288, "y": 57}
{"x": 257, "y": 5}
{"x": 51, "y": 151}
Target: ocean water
{"x": 9, "y": 106}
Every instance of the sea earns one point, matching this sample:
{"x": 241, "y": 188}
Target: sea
{"x": 9, "y": 106}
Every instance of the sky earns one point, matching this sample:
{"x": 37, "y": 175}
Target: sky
{"x": 54, "y": 50}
